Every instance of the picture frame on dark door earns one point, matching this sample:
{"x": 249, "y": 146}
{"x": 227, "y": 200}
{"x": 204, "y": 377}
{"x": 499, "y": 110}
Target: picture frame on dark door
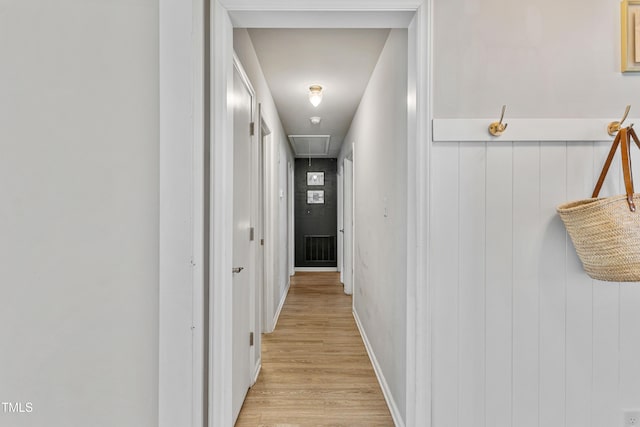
{"x": 315, "y": 197}
{"x": 315, "y": 178}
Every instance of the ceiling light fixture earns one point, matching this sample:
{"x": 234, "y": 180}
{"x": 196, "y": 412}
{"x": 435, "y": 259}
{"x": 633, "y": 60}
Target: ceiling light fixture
{"x": 315, "y": 95}
{"x": 315, "y": 120}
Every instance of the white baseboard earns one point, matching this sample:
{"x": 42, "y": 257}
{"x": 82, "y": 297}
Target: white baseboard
{"x": 256, "y": 371}
{"x": 388, "y": 397}
{"x": 316, "y": 269}
{"x": 282, "y": 300}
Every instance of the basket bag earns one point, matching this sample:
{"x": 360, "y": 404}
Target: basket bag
{"x": 606, "y": 231}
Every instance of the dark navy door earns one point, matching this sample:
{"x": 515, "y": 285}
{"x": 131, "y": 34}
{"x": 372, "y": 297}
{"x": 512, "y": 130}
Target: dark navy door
{"x": 316, "y": 212}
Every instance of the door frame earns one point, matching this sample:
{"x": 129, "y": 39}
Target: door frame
{"x": 265, "y": 141}
{"x": 340, "y": 223}
{"x": 291, "y": 224}
{"x": 196, "y": 56}
{"x": 347, "y": 224}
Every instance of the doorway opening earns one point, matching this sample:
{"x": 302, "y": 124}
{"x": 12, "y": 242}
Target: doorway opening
{"x": 373, "y": 65}
{"x": 316, "y": 214}
{"x": 179, "y": 24}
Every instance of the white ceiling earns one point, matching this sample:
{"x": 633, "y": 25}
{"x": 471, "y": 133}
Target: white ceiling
{"x": 341, "y": 60}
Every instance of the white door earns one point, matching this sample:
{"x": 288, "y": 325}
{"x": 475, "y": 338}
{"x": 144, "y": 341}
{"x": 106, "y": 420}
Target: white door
{"x": 291, "y": 220}
{"x": 341, "y": 222}
{"x": 347, "y": 225}
{"x": 242, "y": 115}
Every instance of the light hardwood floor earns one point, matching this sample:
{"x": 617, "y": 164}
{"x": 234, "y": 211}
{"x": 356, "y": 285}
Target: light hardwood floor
{"x": 315, "y": 369}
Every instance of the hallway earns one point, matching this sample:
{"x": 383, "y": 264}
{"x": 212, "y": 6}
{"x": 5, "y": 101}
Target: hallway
{"x": 315, "y": 368}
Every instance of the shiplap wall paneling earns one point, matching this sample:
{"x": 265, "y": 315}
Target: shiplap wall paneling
{"x": 629, "y": 339}
{"x": 606, "y": 304}
{"x": 630, "y": 326}
{"x": 605, "y": 376}
{"x": 498, "y": 285}
{"x": 579, "y": 288}
{"x": 471, "y": 285}
{"x": 522, "y": 336}
{"x": 445, "y": 272}
{"x": 527, "y": 240}
{"x": 552, "y": 285}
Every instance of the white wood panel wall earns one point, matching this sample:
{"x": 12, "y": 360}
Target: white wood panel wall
{"x": 522, "y": 336}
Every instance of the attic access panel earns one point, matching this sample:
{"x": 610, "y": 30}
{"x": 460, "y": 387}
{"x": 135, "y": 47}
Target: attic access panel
{"x": 310, "y": 145}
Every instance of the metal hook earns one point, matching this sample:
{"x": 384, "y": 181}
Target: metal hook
{"x": 614, "y": 127}
{"x": 496, "y": 128}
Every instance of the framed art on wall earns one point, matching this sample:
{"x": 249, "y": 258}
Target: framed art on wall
{"x": 315, "y": 197}
{"x": 315, "y": 178}
{"x": 630, "y": 36}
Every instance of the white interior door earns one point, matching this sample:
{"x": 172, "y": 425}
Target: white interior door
{"x": 242, "y": 115}
{"x": 291, "y": 238}
{"x": 340, "y": 232}
{"x": 347, "y": 225}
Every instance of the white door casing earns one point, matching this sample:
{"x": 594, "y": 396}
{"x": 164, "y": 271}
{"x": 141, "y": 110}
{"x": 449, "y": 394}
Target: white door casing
{"x": 264, "y": 142}
{"x": 291, "y": 219}
{"x": 340, "y": 231}
{"x": 348, "y": 226}
{"x": 185, "y": 53}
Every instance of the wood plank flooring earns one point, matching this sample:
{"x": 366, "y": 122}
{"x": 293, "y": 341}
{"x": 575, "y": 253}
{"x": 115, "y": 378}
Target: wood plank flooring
{"x": 315, "y": 369}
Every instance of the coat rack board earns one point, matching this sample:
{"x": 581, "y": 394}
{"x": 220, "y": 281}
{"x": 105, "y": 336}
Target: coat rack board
{"x": 578, "y": 130}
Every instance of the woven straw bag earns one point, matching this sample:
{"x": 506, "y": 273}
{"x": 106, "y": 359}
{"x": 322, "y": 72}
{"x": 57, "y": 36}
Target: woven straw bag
{"x": 606, "y": 231}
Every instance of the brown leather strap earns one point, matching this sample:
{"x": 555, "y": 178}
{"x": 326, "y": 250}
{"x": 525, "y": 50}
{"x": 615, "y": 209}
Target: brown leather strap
{"x": 623, "y": 139}
{"x": 606, "y": 166}
{"x": 626, "y": 168}
{"x": 632, "y": 132}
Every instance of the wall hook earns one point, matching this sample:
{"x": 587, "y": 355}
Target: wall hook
{"x": 496, "y": 128}
{"x": 614, "y": 127}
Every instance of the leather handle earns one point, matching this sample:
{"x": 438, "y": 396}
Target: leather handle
{"x": 632, "y": 133}
{"x": 623, "y": 139}
{"x": 606, "y": 166}
{"x": 626, "y": 168}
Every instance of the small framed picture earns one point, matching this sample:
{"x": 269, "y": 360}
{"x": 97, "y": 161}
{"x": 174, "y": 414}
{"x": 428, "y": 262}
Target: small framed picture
{"x": 630, "y": 36}
{"x": 315, "y": 178}
{"x": 315, "y": 197}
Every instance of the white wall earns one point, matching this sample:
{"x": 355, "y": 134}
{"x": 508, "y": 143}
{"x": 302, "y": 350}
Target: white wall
{"x": 543, "y": 59}
{"x": 277, "y": 153}
{"x": 379, "y": 130}
{"x": 79, "y": 212}
{"x": 521, "y": 335}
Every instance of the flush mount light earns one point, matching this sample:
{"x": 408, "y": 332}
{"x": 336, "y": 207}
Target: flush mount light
{"x": 315, "y": 95}
{"x": 315, "y": 120}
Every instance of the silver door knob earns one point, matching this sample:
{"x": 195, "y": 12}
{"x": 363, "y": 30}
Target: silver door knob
{"x": 341, "y": 230}
{"x": 237, "y": 269}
